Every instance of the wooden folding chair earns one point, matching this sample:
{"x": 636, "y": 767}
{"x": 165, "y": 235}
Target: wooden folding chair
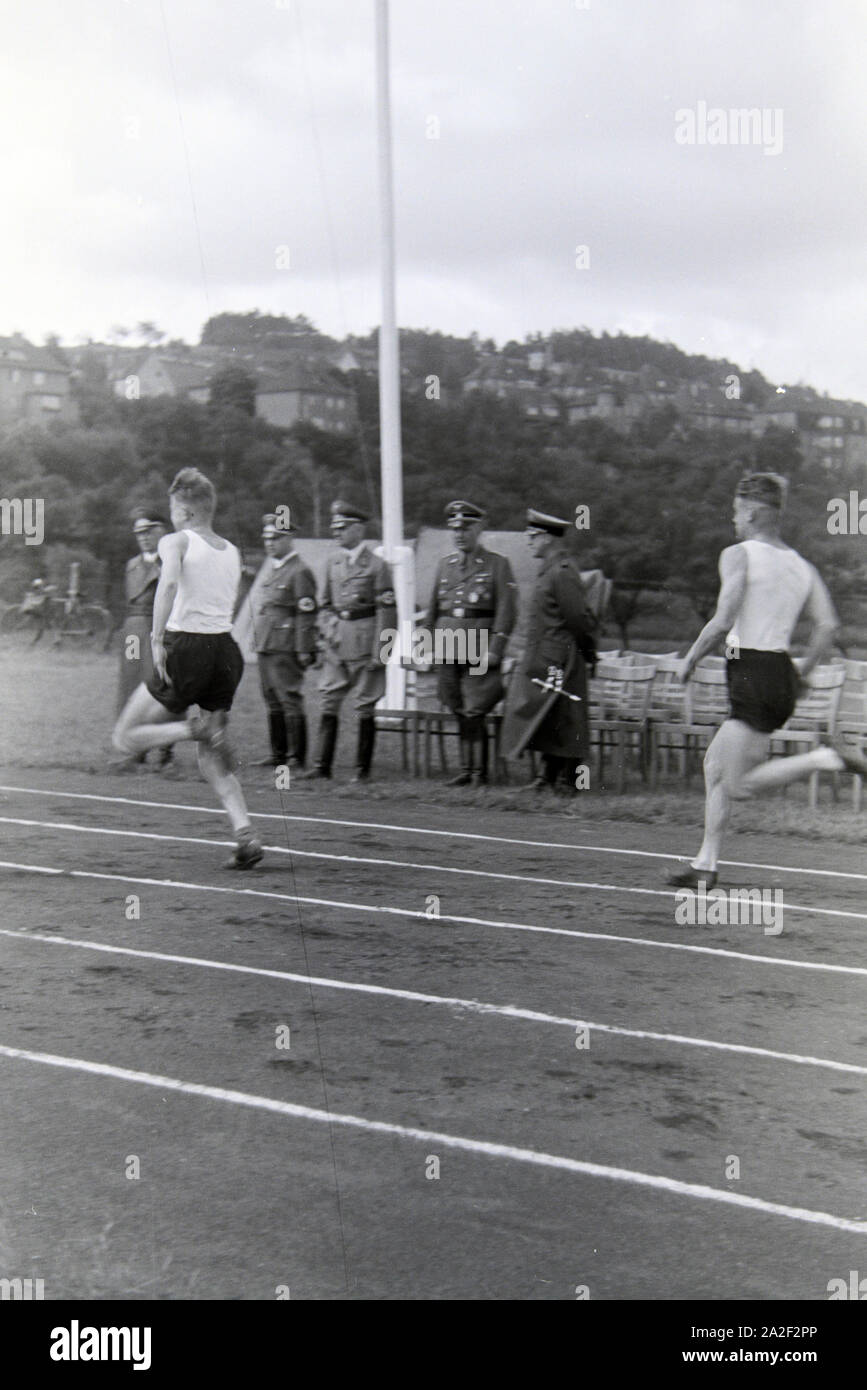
{"x": 619, "y": 701}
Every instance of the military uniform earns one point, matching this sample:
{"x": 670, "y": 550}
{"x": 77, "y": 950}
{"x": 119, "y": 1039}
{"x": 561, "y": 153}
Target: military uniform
{"x": 283, "y": 605}
{"x": 140, "y": 585}
{"x": 356, "y": 604}
{"x": 474, "y": 592}
{"x": 560, "y": 647}
{"x": 141, "y": 577}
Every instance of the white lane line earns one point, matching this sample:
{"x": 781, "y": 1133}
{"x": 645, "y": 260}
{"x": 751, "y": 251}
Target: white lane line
{"x": 476, "y": 1006}
{"x": 423, "y": 830}
{"x": 451, "y": 1141}
{"x": 443, "y": 917}
{"x": 399, "y": 864}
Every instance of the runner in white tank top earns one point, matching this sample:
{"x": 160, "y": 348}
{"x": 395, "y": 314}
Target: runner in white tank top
{"x": 766, "y": 586}
{"x": 207, "y": 587}
{"x": 778, "y": 585}
{"x": 196, "y": 660}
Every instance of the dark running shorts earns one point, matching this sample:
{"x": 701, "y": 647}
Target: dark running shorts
{"x": 203, "y": 669}
{"x": 763, "y": 689}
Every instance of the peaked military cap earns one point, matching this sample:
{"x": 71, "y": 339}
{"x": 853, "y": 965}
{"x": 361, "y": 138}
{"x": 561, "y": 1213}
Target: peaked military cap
{"x": 144, "y": 523}
{"x": 345, "y": 513}
{"x": 460, "y": 514}
{"x": 273, "y": 525}
{"x": 539, "y": 523}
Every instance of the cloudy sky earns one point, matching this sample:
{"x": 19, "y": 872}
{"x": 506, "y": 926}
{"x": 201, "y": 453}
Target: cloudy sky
{"x": 161, "y": 155}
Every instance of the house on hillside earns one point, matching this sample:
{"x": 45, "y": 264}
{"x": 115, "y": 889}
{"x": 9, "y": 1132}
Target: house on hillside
{"x": 599, "y": 403}
{"x": 164, "y": 375}
{"x": 828, "y": 431}
{"x": 501, "y": 376}
{"x": 703, "y": 406}
{"x": 34, "y": 385}
{"x": 285, "y": 398}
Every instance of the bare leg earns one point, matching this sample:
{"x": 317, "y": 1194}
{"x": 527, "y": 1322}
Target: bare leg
{"x": 778, "y": 772}
{"x": 733, "y": 752}
{"x": 226, "y": 786}
{"x": 144, "y": 723}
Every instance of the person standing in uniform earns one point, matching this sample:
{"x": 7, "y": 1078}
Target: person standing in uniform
{"x": 283, "y": 604}
{"x": 357, "y": 605}
{"x": 140, "y": 585}
{"x": 474, "y": 591}
{"x": 560, "y": 647}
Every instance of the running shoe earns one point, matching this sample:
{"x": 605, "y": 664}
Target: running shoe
{"x": 691, "y": 878}
{"x": 247, "y": 854}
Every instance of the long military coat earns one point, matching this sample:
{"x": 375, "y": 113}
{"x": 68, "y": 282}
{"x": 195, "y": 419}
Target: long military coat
{"x": 559, "y": 642}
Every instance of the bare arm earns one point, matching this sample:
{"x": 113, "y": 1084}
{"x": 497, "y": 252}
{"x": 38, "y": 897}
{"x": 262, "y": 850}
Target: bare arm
{"x": 733, "y": 582}
{"x": 172, "y": 549}
{"x": 824, "y": 620}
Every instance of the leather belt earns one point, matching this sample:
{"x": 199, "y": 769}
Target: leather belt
{"x": 352, "y": 615}
{"x": 468, "y": 611}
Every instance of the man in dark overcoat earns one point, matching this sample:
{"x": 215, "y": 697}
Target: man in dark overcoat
{"x": 547, "y": 709}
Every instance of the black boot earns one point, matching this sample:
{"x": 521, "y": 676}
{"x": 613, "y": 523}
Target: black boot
{"x": 465, "y": 776}
{"x": 300, "y": 726}
{"x": 327, "y": 743}
{"x": 479, "y": 736}
{"x": 277, "y": 737}
{"x": 366, "y": 741}
{"x": 553, "y": 770}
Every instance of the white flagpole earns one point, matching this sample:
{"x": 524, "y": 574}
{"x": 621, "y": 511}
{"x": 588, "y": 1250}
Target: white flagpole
{"x": 396, "y": 553}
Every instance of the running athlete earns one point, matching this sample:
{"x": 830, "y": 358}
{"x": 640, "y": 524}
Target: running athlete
{"x": 766, "y": 585}
{"x": 196, "y": 660}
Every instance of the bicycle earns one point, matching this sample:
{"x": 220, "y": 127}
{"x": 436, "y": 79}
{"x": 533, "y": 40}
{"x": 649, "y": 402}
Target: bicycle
{"x": 71, "y": 620}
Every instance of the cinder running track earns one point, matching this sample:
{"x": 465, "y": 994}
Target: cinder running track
{"x": 435, "y": 969}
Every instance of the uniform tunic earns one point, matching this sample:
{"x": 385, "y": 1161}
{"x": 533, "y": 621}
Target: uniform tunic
{"x": 283, "y": 608}
{"x": 357, "y": 605}
{"x": 473, "y": 593}
{"x": 560, "y": 636}
{"x": 140, "y": 586}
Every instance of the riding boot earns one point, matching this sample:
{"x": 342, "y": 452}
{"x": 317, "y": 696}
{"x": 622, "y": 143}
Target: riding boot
{"x": 277, "y": 738}
{"x": 325, "y": 752}
{"x": 300, "y": 736}
{"x": 479, "y": 735}
{"x": 366, "y": 741}
{"x": 465, "y": 776}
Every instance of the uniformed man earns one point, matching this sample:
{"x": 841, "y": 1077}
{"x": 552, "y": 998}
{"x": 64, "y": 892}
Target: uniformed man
{"x": 474, "y": 591}
{"x": 356, "y": 606}
{"x": 547, "y": 706}
{"x": 140, "y": 585}
{"x": 283, "y": 607}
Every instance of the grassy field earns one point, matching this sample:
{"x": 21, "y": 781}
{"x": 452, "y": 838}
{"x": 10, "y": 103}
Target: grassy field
{"x": 58, "y": 709}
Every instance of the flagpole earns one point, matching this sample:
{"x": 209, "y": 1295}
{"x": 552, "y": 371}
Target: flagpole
{"x": 389, "y": 354}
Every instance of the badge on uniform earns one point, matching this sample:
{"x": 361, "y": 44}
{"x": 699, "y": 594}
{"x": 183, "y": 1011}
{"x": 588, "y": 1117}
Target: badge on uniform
{"x": 472, "y": 598}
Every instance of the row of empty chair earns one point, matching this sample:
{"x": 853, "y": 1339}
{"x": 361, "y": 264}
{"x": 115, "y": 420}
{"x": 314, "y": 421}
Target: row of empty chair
{"x": 639, "y": 706}
{"x": 642, "y": 716}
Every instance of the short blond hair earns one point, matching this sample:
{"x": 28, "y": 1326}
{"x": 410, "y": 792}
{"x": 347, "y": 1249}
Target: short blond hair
{"x": 195, "y": 490}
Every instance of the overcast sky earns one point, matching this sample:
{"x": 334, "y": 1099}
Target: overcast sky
{"x": 157, "y": 155}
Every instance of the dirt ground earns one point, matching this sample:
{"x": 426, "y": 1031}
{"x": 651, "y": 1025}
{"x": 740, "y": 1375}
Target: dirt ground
{"x": 438, "y": 1045}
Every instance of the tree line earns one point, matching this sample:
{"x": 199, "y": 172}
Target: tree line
{"x": 659, "y": 499}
